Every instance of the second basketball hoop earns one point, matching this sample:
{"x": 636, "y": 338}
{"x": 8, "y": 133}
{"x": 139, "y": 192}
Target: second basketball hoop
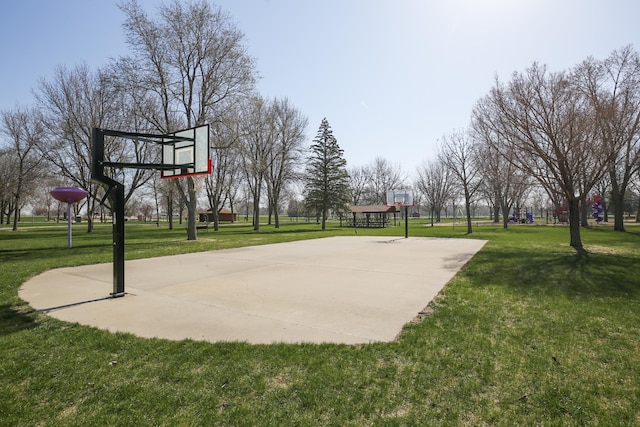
{"x": 399, "y": 199}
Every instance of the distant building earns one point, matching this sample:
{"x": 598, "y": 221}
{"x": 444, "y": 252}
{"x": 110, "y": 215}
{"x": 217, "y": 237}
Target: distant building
{"x": 224, "y": 215}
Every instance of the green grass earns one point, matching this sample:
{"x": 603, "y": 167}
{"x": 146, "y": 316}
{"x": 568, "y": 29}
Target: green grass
{"x": 528, "y": 333}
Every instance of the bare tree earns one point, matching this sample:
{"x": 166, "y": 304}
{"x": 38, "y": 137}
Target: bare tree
{"x": 613, "y": 88}
{"x": 539, "y": 199}
{"x": 74, "y": 102}
{"x": 635, "y": 184}
{"x": 234, "y": 184}
{"x": 502, "y": 181}
{"x": 547, "y": 128}
{"x": 458, "y": 154}
{"x": 168, "y": 194}
{"x": 134, "y": 109}
{"x": 295, "y": 207}
{"x": 8, "y": 166}
{"x": 382, "y": 176}
{"x": 358, "y": 182}
{"x": 40, "y": 198}
{"x": 23, "y": 129}
{"x": 257, "y": 140}
{"x": 225, "y": 159}
{"x": 435, "y": 182}
{"x": 285, "y": 158}
{"x": 191, "y": 61}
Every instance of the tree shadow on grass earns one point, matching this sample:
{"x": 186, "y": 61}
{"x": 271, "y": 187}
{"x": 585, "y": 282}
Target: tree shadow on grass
{"x": 52, "y": 252}
{"x": 13, "y": 320}
{"x": 577, "y": 274}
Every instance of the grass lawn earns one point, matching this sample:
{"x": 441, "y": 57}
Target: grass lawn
{"x": 528, "y": 333}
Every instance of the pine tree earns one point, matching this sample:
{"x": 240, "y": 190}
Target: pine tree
{"x": 326, "y": 176}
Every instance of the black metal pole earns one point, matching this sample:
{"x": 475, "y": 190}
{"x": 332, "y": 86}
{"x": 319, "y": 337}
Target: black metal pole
{"x": 117, "y": 203}
{"x": 115, "y": 191}
{"x": 406, "y": 222}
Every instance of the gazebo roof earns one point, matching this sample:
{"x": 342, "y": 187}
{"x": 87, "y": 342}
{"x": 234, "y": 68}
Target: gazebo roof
{"x": 373, "y": 209}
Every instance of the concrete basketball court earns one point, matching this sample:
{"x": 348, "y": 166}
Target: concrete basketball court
{"x": 350, "y": 290}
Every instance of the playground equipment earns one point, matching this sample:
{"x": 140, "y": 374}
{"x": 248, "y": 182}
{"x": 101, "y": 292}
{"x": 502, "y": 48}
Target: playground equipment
{"x": 522, "y": 217}
{"x": 69, "y": 195}
{"x": 597, "y": 208}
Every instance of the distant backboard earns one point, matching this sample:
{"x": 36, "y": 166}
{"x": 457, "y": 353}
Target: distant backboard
{"x": 188, "y": 151}
{"x": 399, "y": 198}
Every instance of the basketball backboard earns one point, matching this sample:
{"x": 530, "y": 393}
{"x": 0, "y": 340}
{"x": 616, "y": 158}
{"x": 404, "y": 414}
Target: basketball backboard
{"x": 399, "y": 198}
{"x": 188, "y": 151}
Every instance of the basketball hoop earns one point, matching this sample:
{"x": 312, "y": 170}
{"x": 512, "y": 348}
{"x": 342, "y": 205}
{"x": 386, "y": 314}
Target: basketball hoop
{"x": 399, "y": 199}
{"x": 184, "y": 153}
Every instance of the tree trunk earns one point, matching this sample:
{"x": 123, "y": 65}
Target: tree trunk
{"x": 16, "y": 212}
{"x": 215, "y": 205}
{"x": 584, "y": 212}
{"x": 617, "y": 200}
{"x": 157, "y": 202}
{"x": 91, "y": 206}
{"x": 16, "y": 215}
{"x": 574, "y": 224}
{"x": 256, "y": 212}
{"x": 170, "y": 210}
{"x": 467, "y": 206}
{"x": 505, "y": 218}
{"x": 231, "y": 207}
{"x": 216, "y": 219}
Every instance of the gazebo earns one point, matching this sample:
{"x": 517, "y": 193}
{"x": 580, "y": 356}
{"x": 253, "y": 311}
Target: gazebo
{"x": 370, "y": 216}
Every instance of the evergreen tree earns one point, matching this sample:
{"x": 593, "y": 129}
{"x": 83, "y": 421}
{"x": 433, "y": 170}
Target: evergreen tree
{"x": 327, "y": 179}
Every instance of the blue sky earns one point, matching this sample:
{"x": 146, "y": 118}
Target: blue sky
{"x": 391, "y": 76}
